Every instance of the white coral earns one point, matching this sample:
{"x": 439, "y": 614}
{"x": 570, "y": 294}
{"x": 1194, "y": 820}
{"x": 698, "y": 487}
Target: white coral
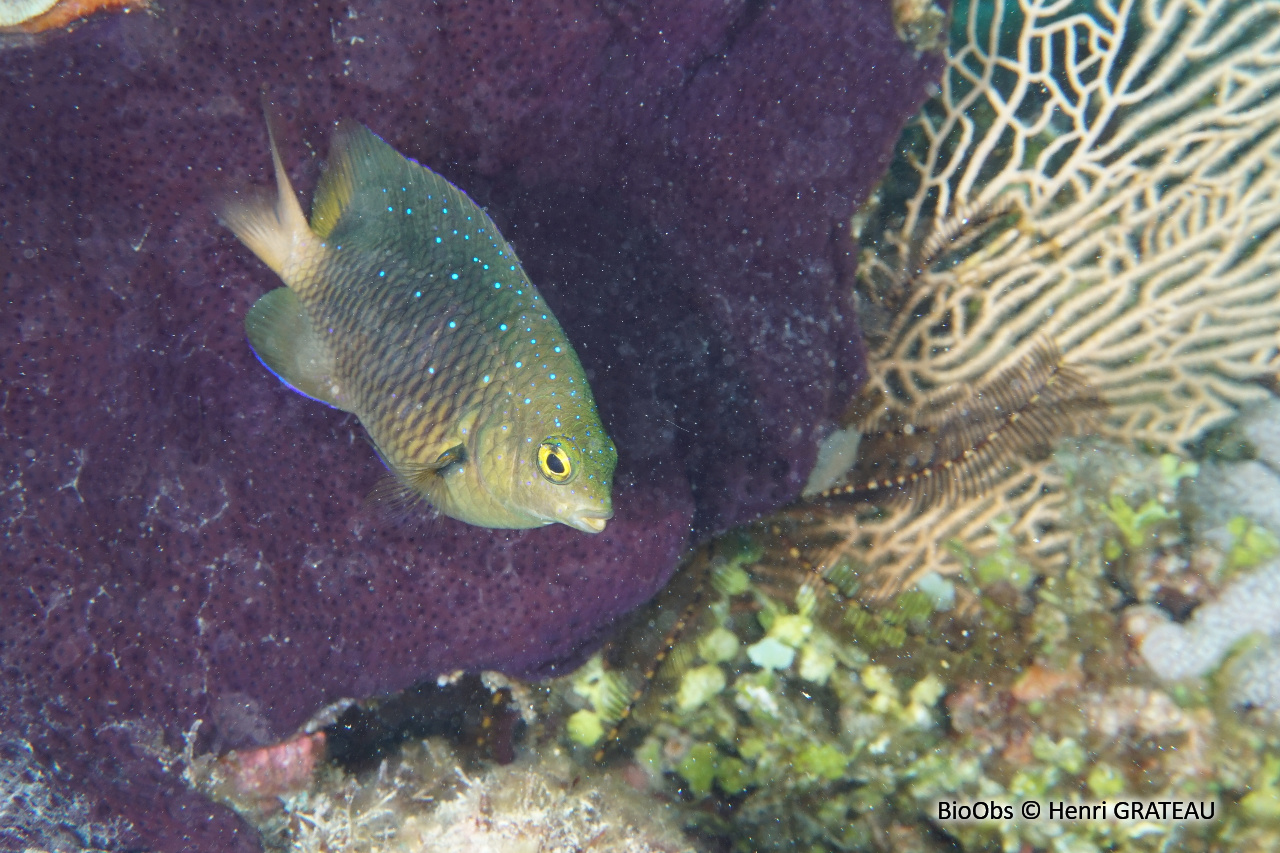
{"x": 1249, "y": 605}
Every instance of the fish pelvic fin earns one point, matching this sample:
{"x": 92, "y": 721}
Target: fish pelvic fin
{"x": 392, "y": 499}
{"x": 271, "y": 228}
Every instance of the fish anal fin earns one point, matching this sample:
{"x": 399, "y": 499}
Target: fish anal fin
{"x": 285, "y": 341}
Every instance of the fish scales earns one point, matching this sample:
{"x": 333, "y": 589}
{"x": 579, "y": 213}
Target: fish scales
{"x": 405, "y": 306}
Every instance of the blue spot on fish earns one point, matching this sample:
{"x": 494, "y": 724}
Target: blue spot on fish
{"x": 382, "y": 273}
{"x": 497, "y": 284}
{"x": 557, "y": 349}
{"x": 486, "y": 377}
{"x": 408, "y": 211}
{"x": 438, "y": 240}
{"x": 453, "y": 324}
{"x": 431, "y": 370}
{"x": 502, "y": 327}
{"x": 553, "y": 376}
{"x": 417, "y": 294}
{"x": 454, "y": 276}
{"x": 519, "y": 364}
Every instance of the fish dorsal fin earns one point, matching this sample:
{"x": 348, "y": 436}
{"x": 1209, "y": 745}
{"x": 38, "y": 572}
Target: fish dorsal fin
{"x": 285, "y": 341}
{"x": 370, "y": 191}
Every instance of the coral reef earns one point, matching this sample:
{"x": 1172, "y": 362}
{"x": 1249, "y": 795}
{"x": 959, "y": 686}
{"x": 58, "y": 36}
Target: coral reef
{"x": 1101, "y": 174}
{"x": 1245, "y": 480}
{"x": 1235, "y": 505}
{"x": 423, "y": 801}
{"x": 183, "y": 540}
{"x": 1090, "y": 174}
{"x": 792, "y": 716}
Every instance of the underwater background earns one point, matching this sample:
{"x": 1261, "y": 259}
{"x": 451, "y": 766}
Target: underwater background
{"x": 939, "y": 346}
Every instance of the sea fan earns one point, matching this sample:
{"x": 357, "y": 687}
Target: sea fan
{"x": 1100, "y": 174}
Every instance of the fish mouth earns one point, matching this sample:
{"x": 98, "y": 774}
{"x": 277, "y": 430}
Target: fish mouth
{"x": 589, "y": 522}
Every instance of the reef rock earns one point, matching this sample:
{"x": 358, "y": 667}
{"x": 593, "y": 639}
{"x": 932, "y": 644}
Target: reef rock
{"x": 184, "y": 538}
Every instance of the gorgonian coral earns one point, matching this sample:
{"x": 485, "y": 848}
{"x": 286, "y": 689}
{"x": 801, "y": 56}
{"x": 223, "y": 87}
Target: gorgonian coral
{"x": 1103, "y": 174}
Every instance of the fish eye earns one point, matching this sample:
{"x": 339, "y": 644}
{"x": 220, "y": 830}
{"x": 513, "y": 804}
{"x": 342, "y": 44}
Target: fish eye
{"x": 554, "y": 461}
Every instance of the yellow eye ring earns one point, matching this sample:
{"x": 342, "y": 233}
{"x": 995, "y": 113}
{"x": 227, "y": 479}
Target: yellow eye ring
{"x": 554, "y": 461}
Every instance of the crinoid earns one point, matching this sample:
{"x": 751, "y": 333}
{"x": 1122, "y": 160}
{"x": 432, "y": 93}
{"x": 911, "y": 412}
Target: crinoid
{"x": 955, "y": 446}
{"x": 1080, "y": 233}
{"x": 1102, "y": 176}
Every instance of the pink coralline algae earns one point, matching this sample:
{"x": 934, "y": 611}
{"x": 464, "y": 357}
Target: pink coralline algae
{"x": 184, "y": 539}
{"x": 258, "y": 776}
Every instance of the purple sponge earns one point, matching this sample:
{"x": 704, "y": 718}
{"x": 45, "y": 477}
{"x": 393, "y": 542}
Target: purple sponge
{"x": 183, "y": 538}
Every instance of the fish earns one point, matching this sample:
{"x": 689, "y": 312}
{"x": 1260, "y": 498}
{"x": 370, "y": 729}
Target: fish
{"x": 404, "y": 306}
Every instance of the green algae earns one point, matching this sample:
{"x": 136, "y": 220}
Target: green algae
{"x": 803, "y": 718}
{"x": 1251, "y": 545}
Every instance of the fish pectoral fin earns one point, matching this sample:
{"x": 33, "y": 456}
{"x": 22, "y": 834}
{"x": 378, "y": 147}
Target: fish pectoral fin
{"x": 285, "y": 341}
{"x": 397, "y": 492}
{"x": 455, "y": 455}
{"x": 392, "y": 498}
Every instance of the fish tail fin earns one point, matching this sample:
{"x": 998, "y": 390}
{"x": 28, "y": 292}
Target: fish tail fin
{"x": 271, "y": 228}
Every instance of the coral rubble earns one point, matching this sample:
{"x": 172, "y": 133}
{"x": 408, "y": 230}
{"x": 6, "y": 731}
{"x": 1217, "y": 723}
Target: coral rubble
{"x": 422, "y": 800}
